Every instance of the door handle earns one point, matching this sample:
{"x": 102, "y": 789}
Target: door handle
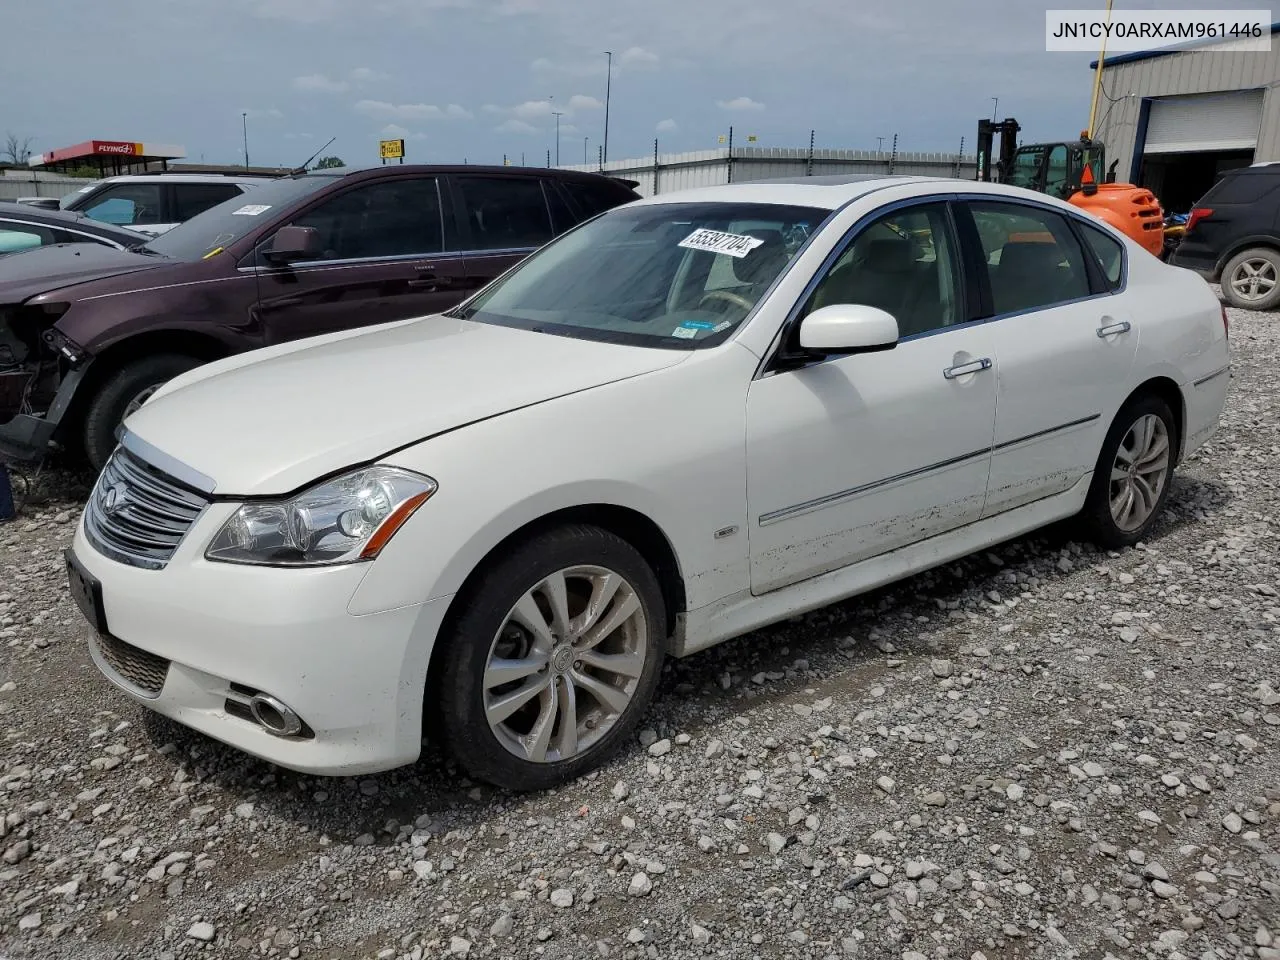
{"x": 1112, "y": 328}
{"x": 973, "y": 366}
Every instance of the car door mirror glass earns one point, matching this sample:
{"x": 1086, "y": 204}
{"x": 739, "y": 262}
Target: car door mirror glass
{"x": 848, "y": 328}
{"x": 292, "y": 244}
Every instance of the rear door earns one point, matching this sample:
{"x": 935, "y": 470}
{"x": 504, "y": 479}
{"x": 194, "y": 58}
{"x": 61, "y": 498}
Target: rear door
{"x": 501, "y": 220}
{"x": 1066, "y": 339}
{"x": 384, "y": 259}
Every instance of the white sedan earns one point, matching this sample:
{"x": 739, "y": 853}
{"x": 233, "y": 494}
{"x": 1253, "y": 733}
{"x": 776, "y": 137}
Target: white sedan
{"x": 692, "y": 416}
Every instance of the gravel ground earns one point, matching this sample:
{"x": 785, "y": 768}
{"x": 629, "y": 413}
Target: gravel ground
{"x": 1041, "y": 751}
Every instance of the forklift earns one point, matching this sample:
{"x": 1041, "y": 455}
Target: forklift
{"x": 1069, "y": 171}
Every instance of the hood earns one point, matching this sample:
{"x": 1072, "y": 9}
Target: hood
{"x": 33, "y": 272}
{"x": 272, "y": 424}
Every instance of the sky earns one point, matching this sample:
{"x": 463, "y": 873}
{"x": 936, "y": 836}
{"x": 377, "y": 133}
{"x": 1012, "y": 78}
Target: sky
{"x": 476, "y": 80}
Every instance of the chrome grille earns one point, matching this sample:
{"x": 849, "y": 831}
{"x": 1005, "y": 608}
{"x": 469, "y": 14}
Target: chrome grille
{"x": 137, "y": 514}
{"x": 136, "y": 667}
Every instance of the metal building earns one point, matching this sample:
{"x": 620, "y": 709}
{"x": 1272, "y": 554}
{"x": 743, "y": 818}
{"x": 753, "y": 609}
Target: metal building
{"x": 1176, "y": 119}
{"x": 665, "y": 173}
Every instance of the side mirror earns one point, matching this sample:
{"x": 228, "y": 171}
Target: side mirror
{"x": 848, "y": 328}
{"x": 291, "y": 244}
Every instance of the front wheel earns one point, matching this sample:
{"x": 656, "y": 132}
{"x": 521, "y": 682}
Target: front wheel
{"x": 1134, "y": 472}
{"x": 123, "y": 392}
{"x": 552, "y": 663}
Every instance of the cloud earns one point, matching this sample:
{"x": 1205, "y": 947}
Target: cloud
{"x": 319, "y": 83}
{"x": 739, "y": 103}
{"x": 580, "y": 101}
{"x": 367, "y": 75}
{"x": 667, "y": 126}
{"x": 515, "y": 126}
{"x": 392, "y": 112}
{"x": 299, "y": 136}
{"x": 393, "y": 131}
{"x": 568, "y": 128}
{"x": 531, "y": 110}
{"x": 637, "y": 57}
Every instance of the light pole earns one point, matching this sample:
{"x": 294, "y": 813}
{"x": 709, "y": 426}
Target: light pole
{"x": 557, "y": 114}
{"x": 879, "y": 144}
{"x": 608, "y": 89}
{"x": 585, "y": 161}
{"x": 244, "y": 122}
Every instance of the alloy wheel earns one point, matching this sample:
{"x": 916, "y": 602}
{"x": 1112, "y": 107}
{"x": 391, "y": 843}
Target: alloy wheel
{"x": 1140, "y": 472}
{"x": 565, "y": 664}
{"x": 1254, "y": 279}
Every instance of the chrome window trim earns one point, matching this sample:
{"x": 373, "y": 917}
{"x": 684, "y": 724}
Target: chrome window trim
{"x": 58, "y": 228}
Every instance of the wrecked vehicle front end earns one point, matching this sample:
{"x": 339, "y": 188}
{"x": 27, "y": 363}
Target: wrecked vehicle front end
{"x": 39, "y": 369}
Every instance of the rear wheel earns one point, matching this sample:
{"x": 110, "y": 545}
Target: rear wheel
{"x": 1251, "y": 279}
{"x": 122, "y": 393}
{"x": 1134, "y": 472}
{"x": 551, "y": 665}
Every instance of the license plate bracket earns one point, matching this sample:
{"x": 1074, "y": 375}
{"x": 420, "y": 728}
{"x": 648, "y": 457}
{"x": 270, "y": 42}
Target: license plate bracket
{"x": 86, "y": 590}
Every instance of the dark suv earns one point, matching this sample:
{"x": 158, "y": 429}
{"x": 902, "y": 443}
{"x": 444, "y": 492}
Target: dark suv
{"x": 87, "y": 333}
{"x": 1233, "y": 237}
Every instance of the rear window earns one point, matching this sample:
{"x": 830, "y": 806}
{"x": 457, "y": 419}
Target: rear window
{"x": 1242, "y": 188}
{"x": 593, "y": 198}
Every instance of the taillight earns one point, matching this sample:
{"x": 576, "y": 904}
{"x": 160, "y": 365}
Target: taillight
{"x": 1226, "y": 324}
{"x": 1197, "y": 214}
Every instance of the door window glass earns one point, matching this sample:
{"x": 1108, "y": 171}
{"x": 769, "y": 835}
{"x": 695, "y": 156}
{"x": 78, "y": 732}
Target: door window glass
{"x": 1032, "y": 257}
{"x": 1109, "y": 252}
{"x": 15, "y": 237}
{"x": 505, "y": 213}
{"x": 1055, "y": 176}
{"x": 388, "y": 218}
{"x": 905, "y": 264}
{"x": 193, "y": 198}
{"x": 126, "y": 204}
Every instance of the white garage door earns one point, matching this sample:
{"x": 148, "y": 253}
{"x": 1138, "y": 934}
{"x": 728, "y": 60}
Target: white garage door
{"x": 1205, "y": 122}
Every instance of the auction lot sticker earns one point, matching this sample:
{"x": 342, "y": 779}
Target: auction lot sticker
{"x": 713, "y": 241}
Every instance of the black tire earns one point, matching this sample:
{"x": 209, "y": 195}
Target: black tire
{"x": 1270, "y": 259}
{"x": 106, "y": 409}
{"x": 1096, "y": 520}
{"x": 456, "y": 686}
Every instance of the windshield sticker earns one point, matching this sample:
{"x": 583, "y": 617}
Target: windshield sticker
{"x": 684, "y": 333}
{"x": 722, "y": 325}
{"x": 713, "y": 241}
{"x": 251, "y": 210}
{"x": 698, "y": 325}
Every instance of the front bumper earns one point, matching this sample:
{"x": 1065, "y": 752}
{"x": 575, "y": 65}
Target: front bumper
{"x": 356, "y": 681}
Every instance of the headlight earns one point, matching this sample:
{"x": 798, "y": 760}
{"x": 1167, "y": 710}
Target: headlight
{"x": 342, "y": 520}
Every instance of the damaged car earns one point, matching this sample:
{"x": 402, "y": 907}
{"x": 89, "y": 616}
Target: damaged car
{"x": 88, "y": 333}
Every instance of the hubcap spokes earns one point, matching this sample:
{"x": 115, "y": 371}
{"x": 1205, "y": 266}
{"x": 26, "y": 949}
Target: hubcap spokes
{"x": 1139, "y": 473}
{"x": 565, "y": 664}
{"x": 1254, "y": 279}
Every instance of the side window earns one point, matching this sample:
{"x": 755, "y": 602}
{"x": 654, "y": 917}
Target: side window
{"x": 66, "y": 236}
{"x": 22, "y": 236}
{"x": 562, "y": 216}
{"x": 127, "y": 204}
{"x": 904, "y": 263}
{"x": 1108, "y": 251}
{"x": 388, "y": 218}
{"x": 1055, "y": 174}
{"x": 505, "y": 212}
{"x": 193, "y": 198}
{"x": 593, "y": 198}
{"x": 1032, "y": 257}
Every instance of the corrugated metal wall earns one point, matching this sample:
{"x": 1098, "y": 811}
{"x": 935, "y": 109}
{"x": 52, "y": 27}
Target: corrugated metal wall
{"x": 706, "y": 168}
{"x": 1203, "y": 71}
{"x": 23, "y": 183}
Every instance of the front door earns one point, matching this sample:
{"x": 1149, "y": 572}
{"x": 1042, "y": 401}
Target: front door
{"x": 383, "y": 260}
{"x": 853, "y": 457}
{"x": 1066, "y": 343}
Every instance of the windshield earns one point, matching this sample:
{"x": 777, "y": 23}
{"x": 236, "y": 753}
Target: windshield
{"x": 678, "y": 275}
{"x": 1026, "y": 167}
{"x": 220, "y": 226}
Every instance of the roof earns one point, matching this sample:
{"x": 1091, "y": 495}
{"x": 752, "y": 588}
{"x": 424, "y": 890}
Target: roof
{"x": 826, "y": 192}
{"x": 460, "y": 168}
{"x": 119, "y": 149}
{"x": 1165, "y": 51}
{"x": 159, "y": 176}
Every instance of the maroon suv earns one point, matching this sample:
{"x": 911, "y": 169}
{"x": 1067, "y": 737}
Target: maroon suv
{"x": 88, "y": 332}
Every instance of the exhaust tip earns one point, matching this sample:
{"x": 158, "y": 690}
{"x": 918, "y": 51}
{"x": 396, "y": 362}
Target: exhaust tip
{"x": 275, "y": 717}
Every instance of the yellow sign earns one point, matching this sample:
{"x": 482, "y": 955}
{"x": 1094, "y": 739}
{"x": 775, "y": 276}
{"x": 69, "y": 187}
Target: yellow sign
{"x": 391, "y": 149}
{"x": 723, "y": 138}
{"x": 752, "y": 139}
